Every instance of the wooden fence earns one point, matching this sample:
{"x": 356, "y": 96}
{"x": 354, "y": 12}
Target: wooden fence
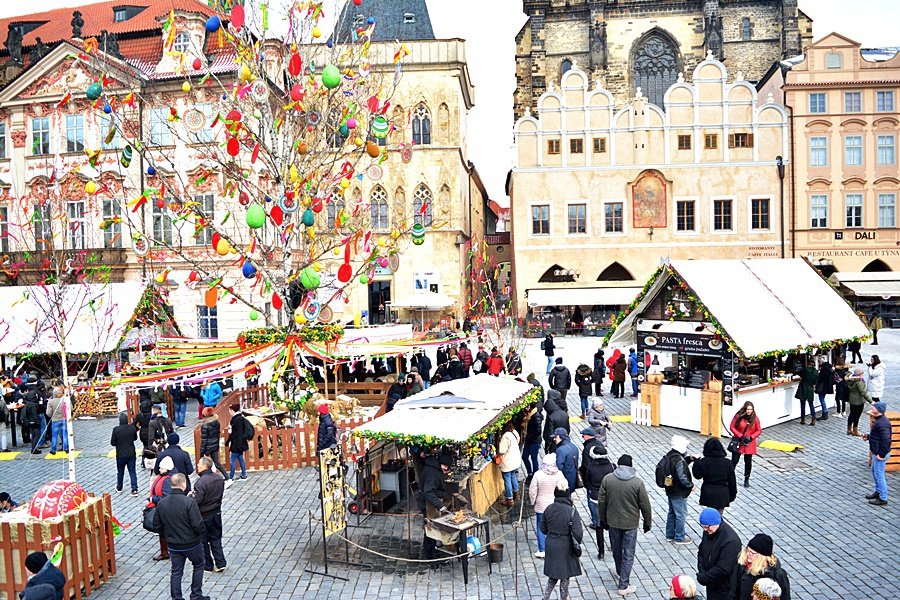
{"x": 133, "y": 403}
{"x": 89, "y": 549}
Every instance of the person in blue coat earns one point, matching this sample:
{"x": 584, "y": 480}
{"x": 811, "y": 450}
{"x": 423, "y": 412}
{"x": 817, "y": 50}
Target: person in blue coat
{"x": 566, "y": 456}
{"x": 42, "y": 574}
{"x": 211, "y": 394}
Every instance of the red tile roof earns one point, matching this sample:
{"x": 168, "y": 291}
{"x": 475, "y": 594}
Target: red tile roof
{"x": 57, "y": 23}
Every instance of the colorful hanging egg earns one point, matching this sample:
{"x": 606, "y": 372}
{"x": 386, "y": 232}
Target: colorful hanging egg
{"x": 256, "y": 216}
{"x": 94, "y": 91}
{"x": 309, "y": 218}
{"x": 237, "y": 16}
{"x": 211, "y": 298}
{"x": 380, "y": 127}
{"x": 277, "y": 215}
{"x": 331, "y": 77}
{"x": 309, "y": 279}
{"x": 248, "y": 270}
{"x": 253, "y": 315}
{"x": 213, "y": 23}
{"x": 372, "y": 149}
{"x": 277, "y": 304}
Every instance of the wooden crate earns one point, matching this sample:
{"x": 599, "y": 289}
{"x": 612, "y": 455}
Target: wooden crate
{"x": 87, "y": 535}
{"x": 893, "y": 462}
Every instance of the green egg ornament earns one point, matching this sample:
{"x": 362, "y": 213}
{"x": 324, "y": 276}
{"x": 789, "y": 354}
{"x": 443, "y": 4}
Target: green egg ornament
{"x": 256, "y": 216}
{"x": 93, "y": 91}
{"x": 418, "y": 241}
{"x": 309, "y": 218}
{"x": 254, "y": 315}
{"x": 380, "y": 127}
{"x": 310, "y": 279}
{"x": 418, "y": 230}
{"x": 364, "y": 279}
{"x": 344, "y": 131}
{"x": 331, "y": 77}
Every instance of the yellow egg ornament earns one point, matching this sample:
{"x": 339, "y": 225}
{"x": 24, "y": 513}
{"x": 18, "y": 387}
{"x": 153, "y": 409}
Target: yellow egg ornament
{"x": 345, "y": 183}
{"x": 299, "y": 318}
{"x": 295, "y": 175}
{"x": 336, "y": 251}
{"x": 222, "y": 248}
{"x": 316, "y": 32}
{"x": 90, "y": 187}
{"x": 186, "y": 87}
{"x": 160, "y": 278}
{"x": 246, "y": 74}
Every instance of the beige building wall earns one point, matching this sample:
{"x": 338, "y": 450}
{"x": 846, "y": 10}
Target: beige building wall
{"x": 648, "y": 180}
{"x": 846, "y": 111}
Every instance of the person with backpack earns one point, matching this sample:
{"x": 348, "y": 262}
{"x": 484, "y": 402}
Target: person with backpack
{"x": 180, "y": 458}
{"x": 159, "y": 429}
{"x": 123, "y": 437}
{"x": 584, "y": 379}
{"x": 560, "y": 379}
{"x": 595, "y": 467}
{"x": 481, "y": 358}
{"x": 160, "y": 487}
{"x": 633, "y": 368}
{"x": 240, "y": 433}
{"x": 549, "y": 351}
{"x": 674, "y": 476}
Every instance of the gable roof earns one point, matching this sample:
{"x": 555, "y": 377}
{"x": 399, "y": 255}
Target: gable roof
{"x": 390, "y": 20}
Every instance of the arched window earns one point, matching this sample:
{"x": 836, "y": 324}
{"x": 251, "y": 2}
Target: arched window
{"x": 746, "y": 28}
{"x": 182, "y": 43}
{"x": 876, "y": 266}
{"x": 615, "y": 272}
{"x": 654, "y": 65}
{"x": 557, "y": 274}
{"x": 566, "y": 65}
{"x": 422, "y": 206}
{"x": 421, "y": 124}
{"x": 378, "y": 206}
{"x": 333, "y": 209}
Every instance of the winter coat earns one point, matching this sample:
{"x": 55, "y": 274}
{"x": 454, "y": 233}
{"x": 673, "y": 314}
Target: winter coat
{"x": 857, "y": 394}
{"x": 513, "y": 364}
{"x": 123, "y": 438}
{"x": 442, "y": 355}
{"x": 623, "y": 500}
{"x": 806, "y": 389}
{"x": 584, "y": 379}
{"x": 482, "y": 355}
{"x": 619, "y": 370}
{"x": 208, "y": 492}
{"x": 158, "y": 429}
{"x": 585, "y": 455}
{"x": 534, "y": 426}
{"x": 495, "y": 364}
{"x": 742, "y": 582}
{"x": 567, "y": 460}
{"x": 178, "y": 517}
{"x": 142, "y": 422}
{"x": 825, "y": 380}
{"x": 595, "y": 470}
{"x": 49, "y": 575}
{"x": 719, "y": 488}
{"x": 880, "y": 437}
{"x": 455, "y": 368}
{"x": 54, "y": 408}
{"x": 181, "y": 460}
{"x": 876, "y": 381}
{"x": 633, "y": 364}
{"x": 327, "y": 434}
{"x": 841, "y": 388}
{"x": 210, "y": 432}
{"x": 557, "y": 398}
{"x": 241, "y": 429}
{"x": 31, "y": 415}
{"x": 540, "y": 491}
{"x": 601, "y": 423}
{"x": 611, "y": 364}
{"x": 560, "y": 379}
{"x": 742, "y": 429}
{"x": 423, "y": 363}
{"x": 434, "y": 490}
{"x": 717, "y": 561}
{"x": 559, "y": 562}
{"x": 681, "y": 475}
{"x": 547, "y": 345}
{"x": 465, "y": 355}
{"x": 510, "y": 451}
{"x": 211, "y": 394}
{"x": 556, "y": 417}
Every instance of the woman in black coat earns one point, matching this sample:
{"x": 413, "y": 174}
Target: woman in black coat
{"x": 210, "y": 432}
{"x": 719, "y": 487}
{"x": 824, "y": 386}
{"x": 560, "y": 563}
{"x": 596, "y": 468}
{"x": 841, "y": 389}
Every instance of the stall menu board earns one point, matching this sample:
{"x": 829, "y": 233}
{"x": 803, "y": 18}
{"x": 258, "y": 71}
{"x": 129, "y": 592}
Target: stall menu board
{"x": 681, "y": 343}
{"x": 729, "y": 377}
{"x": 331, "y": 476}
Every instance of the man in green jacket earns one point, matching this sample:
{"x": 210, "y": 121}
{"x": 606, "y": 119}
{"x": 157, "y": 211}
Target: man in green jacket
{"x": 622, "y": 501}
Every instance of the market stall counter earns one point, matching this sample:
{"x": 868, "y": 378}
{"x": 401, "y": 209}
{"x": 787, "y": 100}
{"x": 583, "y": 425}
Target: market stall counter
{"x": 713, "y": 334}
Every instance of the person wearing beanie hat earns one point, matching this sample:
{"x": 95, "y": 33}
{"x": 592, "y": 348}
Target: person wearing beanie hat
{"x": 182, "y": 461}
{"x": 239, "y": 435}
{"x": 857, "y": 396}
{"x": 44, "y": 579}
{"x": 717, "y": 555}
{"x": 560, "y": 379}
{"x": 766, "y": 589}
{"x": 719, "y": 488}
{"x": 621, "y": 503}
{"x": 879, "y": 438}
{"x": 678, "y": 485}
{"x": 758, "y": 561}
{"x": 210, "y": 434}
{"x": 595, "y": 467}
{"x": 682, "y": 586}
{"x": 562, "y": 526}
{"x": 540, "y": 493}
{"x": 327, "y": 433}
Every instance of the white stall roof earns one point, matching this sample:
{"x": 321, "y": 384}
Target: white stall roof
{"x": 92, "y": 317}
{"x": 575, "y": 296}
{"x": 763, "y": 304}
{"x": 474, "y": 404}
{"x": 877, "y": 284}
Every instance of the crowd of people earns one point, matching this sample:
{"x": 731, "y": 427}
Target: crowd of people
{"x": 35, "y": 407}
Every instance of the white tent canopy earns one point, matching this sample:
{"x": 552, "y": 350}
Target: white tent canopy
{"x": 424, "y": 300}
{"x": 90, "y": 317}
{"x": 475, "y": 403}
{"x": 870, "y": 285}
{"x": 763, "y": 304}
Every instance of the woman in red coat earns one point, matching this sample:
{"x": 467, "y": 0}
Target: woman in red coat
{"x": 745, "y": 428}
{"x": 495, "y": 364}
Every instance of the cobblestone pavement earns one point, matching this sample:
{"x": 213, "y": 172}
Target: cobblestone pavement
{"x": 833, "y": 544}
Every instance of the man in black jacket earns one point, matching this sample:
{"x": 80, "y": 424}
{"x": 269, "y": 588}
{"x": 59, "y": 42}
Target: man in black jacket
{"x": 532, "y": 423}
{"x": 679, "y": 490}
{"x": 44, "y": 579}
{"x": 879, "y": 438}
{"x": 717, "y": 555}
{"x": 124, "y": 435}
{"x": 178, "y": 518}
{"x": 180, "y": 458}
{"x": 556, "y": 418}
{"x": 560, "y": 379}
{"x": 423, "y": 363}
{"x": 208, "y": 491}
{"x": 433, "y": 495}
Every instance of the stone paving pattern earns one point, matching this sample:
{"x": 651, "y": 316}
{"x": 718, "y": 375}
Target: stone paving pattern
{"x": 832, "y": 543}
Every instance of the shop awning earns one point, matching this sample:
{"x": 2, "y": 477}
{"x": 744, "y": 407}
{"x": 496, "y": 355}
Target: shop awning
{"x": 574, "y": 296}
{"x": 874, "y": 285}
{"x": 763, "y": 305}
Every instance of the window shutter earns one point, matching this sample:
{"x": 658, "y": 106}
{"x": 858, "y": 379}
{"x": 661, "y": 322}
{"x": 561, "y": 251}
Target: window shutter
{"x": 749, "y": 140}
{"x": 731, "y": 140}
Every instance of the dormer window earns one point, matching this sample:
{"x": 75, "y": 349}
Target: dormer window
{"x": 182, "y": 43}
{"x": 120, "y": 14}
{"x": 833, "y": 61}
{"x": 409, "y": 18}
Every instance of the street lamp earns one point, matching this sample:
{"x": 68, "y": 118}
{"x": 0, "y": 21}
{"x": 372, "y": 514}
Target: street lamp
{"x": 779, "y": 163}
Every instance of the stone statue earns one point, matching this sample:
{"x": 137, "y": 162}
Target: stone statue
{"x": 599, "y": 56}
{"x": 109, "y": 43}
{"x": 14, "y": 43}
{"x": 77, "y": 23}
{"x": 38, "y": 51}
{"x": 713, "y": 41}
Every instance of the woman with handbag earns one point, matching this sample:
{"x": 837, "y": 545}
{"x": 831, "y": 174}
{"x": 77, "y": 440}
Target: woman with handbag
{"x": 562, "y": 526}
{"x": 745, "y": 428}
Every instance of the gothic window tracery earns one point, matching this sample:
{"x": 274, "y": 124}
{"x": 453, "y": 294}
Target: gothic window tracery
{"x": 654, "y": 66}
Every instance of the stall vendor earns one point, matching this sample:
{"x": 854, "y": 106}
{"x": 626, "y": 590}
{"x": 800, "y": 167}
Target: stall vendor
{"x": 433, "y": 495}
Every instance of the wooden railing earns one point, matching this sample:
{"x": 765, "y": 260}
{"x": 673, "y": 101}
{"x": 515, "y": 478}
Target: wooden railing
{"x": 133, "y": 403}
{"x": 89, "y": 557}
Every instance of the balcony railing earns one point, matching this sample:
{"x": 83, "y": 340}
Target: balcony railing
{"x": 92, "y": 265}
{"x": 497, "y": 239}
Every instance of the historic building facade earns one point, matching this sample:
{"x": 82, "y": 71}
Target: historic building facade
{"x": 47, "y": 126}
{"x": 630, "y": 44}
{"x": 603, "y": 191}
{"x": 845, "y": 125}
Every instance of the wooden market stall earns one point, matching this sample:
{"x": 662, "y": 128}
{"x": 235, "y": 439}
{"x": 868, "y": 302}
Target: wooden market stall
{"x": 712, "y": 334}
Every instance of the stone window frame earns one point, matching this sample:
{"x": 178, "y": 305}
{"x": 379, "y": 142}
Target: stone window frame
{"x": 182, "y": 42}
{"x": 621, "y": 217}
{"x": 42, "y": 226}
{"x": 732, "y": 202}
{"x": 893, "y": 195}
{"x": 655, "y": 60}
{"x": 849, "y": 105}
{"x": 881, "y": 149}
{"x": 540, "y": 219}
{"x": 76, "y": 225}
{"x": 685, "y": 201}
{"x": 860, "y": 148}
{"x": 421, "y": 125}
{"x": 565, "y": 66}
{"x": 815, "y": 108}
{"x": 110, "y": 208}
{"x": 884, "y": 101}
{"x": 818, "y": 155}
{"x": 39, "y": 134}
{"x": 813, "y": 206}
{"x": 74, "y": 127}
{"x": 586, "y": 225}
{"x": 684, "y": 141}
{"x": 858, "y": 219}
{"x": 746, "y": 29}
{"x": 830, "y": 64}
{"x": 422, "y": 196}
{"x": 378, "y": 209}
{"x": 751, "y": 208}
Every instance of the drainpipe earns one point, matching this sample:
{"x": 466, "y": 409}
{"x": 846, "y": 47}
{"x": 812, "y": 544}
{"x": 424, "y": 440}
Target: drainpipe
{"x": 793, "y": 177}
{"x": 779, "y": 162}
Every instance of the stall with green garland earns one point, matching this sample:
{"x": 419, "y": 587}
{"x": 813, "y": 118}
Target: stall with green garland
{"x": 743, "y": 329}
{"x": 464, "y": 418}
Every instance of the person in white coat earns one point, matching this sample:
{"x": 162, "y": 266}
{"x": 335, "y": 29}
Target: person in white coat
{"x": 875, "y": 383}
{"x": 511, "y": 460}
